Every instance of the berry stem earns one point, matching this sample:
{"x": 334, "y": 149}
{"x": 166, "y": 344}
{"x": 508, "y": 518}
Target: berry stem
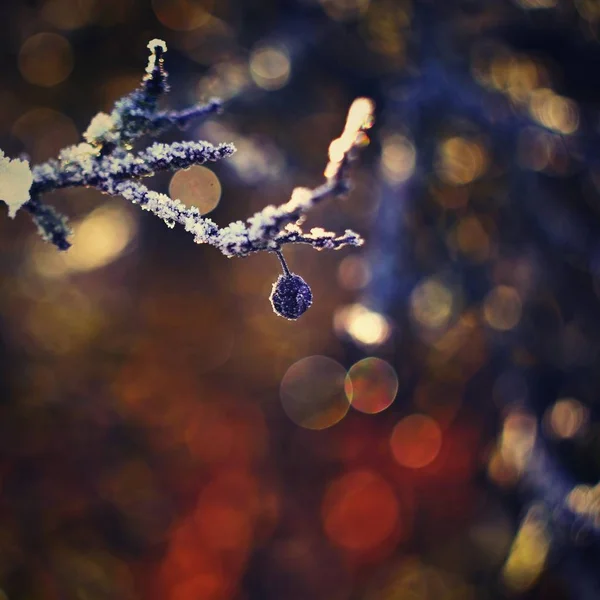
{"x": 283, "y": 263}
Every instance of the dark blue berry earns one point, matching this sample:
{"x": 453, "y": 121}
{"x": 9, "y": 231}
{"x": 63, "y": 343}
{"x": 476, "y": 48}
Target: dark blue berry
{"x": 291, "y": 296}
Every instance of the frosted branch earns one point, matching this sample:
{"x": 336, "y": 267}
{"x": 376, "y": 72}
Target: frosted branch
{"x": 105, "y": 161}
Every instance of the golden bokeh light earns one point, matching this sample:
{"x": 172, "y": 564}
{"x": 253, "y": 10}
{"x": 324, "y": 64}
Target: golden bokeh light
{"x": 196, "y": 186}
{"x": 553, "y": 111}
{"x": 371, "y": 385}
{"x": 567, "y": 418}
{"x": 416, "y": 441}
{"x": 519, "y": 433}
{"x": 431, "y": 304}
{"x": 68, "y": 14}
{"x": 366, "y": 327}
{"x": 500, "y": 470}
{"x": 270, "y": 67}
{"x": 44, "y": 132}
{"x": 398, "y": 158}
{"x": 584, "y": 500}
{"x": 461, "y": 161}
{"x": 226, "y": 80}
{"x": 102, "y": 237}
{"x": 502, "y": 308}
{"x": 579, "y": 498}
{"x": 515, "y": 75}
{"x": 472, "y": 239}
{"x": 312, "y": 392}
{"x": 360, "y": 511}
{"x": 354, "y": 272}
{"x": 527, "y": 556}
{"x": 484, "y": 57}
{"x": 182, "y": 15}
{"x": 522, "y": 78}
{"x": 45, "y": 59}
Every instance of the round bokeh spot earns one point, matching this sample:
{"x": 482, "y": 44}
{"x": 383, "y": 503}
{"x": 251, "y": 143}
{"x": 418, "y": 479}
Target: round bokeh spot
{"x": 312, "y": 392}
{"x": 371, "y": 385}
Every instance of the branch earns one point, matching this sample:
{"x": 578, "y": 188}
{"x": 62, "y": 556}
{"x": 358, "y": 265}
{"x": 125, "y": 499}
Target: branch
{"x": 105, "y": 162}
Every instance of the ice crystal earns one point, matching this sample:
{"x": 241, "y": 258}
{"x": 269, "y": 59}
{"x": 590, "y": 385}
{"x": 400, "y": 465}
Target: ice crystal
{"x": 105, "y": 161}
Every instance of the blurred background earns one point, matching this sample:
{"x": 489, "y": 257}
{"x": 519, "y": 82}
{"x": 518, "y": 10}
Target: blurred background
{"x": 428, "y": 430}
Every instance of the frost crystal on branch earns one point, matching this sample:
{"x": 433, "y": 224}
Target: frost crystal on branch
{"x": 106, "y": 162}
{"x": 15, "y": 182}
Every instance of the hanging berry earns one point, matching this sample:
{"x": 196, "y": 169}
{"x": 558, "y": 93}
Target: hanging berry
{"x": 291, "y": 295}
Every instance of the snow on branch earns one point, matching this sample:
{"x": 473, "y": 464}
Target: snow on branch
{"x": 15, "y": 181}
{"x": 105, "y": 161}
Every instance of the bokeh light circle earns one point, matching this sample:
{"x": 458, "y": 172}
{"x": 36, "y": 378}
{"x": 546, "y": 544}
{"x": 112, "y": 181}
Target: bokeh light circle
{"x": 104, "y": 235}
{"x": 502, "y": 308}
{"x": 366, "y": 327}
{"x": 371, "y": 385}
{"x": 461, "y": 161}
{"x": 398, "y": 158}
{"x": 182, "y": 15}
{"x": 566, "y": 418}
{"x": 354, "y": 272}
{"x": 45, "y": 59}
{"x": 68, "y": 14}
{"x": 197, "y": 186}
{"x": 312, "y": 392}
{"x": 44, "y": 132}
{"x": 270, "y": 67}
{"x": 360, "y": 511}
{"x": 431, "y": 304}
{"x": 416, "y": 441}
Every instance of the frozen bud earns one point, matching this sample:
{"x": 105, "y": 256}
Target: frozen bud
{"x": 102, "y": 128}
{"x": 291, "y": 296}
{"x": 157, "y": 45}
{"x": 157, "y": 49}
